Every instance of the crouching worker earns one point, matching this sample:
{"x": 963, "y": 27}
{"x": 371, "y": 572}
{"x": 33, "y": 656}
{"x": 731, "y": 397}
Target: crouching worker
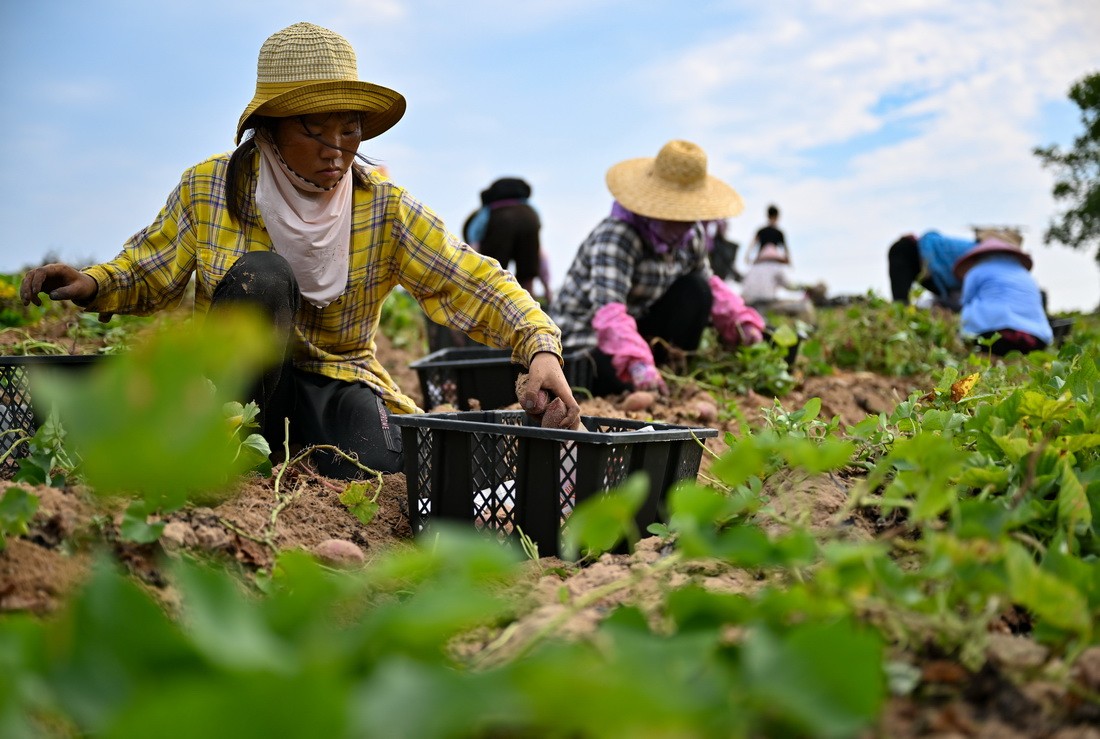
{"x": 644, "y": 274}
{"x": 764, "y": 285}
{"x": 927, "y": 260}
{"x": 1000, "y": 296}
{"x": 290, "y": 223}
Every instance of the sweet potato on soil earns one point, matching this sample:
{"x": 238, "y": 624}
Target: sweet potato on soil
{"x": 706, "y": 411}
{"x": 639, "y": 400}
{"x": 339, "y": 553}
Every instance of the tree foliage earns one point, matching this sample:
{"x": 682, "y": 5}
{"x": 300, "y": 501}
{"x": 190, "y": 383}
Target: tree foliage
{"x": 1077, "y": 183}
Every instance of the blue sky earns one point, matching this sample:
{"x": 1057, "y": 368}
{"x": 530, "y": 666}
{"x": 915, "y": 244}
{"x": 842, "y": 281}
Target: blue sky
{"x": 861, "y": 119}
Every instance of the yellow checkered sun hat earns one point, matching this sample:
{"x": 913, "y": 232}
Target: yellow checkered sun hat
{"x": 306, "y": 69}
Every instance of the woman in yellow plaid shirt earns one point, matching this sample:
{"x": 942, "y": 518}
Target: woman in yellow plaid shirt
{"x": 288, "y": 222}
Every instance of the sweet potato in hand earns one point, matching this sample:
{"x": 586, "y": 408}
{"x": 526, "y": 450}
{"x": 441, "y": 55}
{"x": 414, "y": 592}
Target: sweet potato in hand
{"x": 556, "y": 414}
{"x": 543, "y": 384}
{"x": 521, "y": 390}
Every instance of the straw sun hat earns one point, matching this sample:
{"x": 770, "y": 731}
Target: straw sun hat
{"x": 674, "y": 186}
{"x": 307, "y": 69}
{"x": 990, "y": 246}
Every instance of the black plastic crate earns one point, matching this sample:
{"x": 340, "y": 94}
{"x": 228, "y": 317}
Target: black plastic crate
{"x": 18, "y": 417}
{"x": 494, "y": 470}
{"x": 457, "y": 374}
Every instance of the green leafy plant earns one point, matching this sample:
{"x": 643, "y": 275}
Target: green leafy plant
{"x": 603, "y": 521}
{"x": 47, "y": 461}
{"x": 17, "y": 508}
{"x": 889, "y": 338}
{"x": 362, "y": 504}
{"x": 254, "y": 453}
{"x": 813, "y": 358}
{"x": 761, "y": 367}
{"x": 976, "y": 497}
{"x": 803, "y": 422}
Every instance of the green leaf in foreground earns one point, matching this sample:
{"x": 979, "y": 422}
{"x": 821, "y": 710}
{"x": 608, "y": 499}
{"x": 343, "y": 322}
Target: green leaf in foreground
{"x": 785, "y": 336}
{"x": 225, "y": 626}
{"x": 135, "y": 524}
{"x": 152, "y": 421}
{"x": 1073, "y": 503}
{"x": 601, "y": 522}
{"x": 826, "y": 678}
{"x": 744, "y": 459}
{"x": 1053, "y": 599}
{"x": 265, "y": 704}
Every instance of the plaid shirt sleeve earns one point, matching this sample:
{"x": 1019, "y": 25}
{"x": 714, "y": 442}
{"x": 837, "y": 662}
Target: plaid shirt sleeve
{"x": 155, "y": 264}
{"x": 465, "y": 290}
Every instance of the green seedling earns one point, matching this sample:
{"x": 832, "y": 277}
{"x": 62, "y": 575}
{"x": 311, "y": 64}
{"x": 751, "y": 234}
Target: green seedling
{"x": 17, "y": 508}
{"x": 358, "y": 499}
{"x": 48, "y": 461}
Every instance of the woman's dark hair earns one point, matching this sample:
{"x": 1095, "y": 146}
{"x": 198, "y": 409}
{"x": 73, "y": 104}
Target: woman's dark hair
{"x": 773, "y": 211}
{"x": 238, "y": 176}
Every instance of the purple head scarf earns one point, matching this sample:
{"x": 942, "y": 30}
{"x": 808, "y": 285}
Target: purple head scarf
{"x": 648, "y": 228}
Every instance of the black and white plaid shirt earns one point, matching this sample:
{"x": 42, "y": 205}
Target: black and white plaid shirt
{"x": 615, "y": 265}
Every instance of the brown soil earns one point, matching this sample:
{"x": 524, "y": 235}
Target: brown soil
{"x": 39, "y": 569}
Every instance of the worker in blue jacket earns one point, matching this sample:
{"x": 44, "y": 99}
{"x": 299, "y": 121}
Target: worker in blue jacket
{"x": 928, "y": 260}
{"x": 1000, "y": 298}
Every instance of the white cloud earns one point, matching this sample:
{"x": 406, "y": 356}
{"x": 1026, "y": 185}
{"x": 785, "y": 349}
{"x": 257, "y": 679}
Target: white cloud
{"x": 949, "y": 92}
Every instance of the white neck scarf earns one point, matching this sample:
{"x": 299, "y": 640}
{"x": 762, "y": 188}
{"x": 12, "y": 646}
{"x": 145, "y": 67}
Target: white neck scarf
{"x": 309, "y": 226}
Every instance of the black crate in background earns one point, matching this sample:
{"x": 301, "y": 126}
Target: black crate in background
{"x": 457, "y": 374}
{"x": 493, "y": 470}
{"x": 17, "y": 414}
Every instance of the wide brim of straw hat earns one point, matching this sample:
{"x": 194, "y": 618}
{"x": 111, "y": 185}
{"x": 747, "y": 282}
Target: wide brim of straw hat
{"x": 638, "y": 188}
{"x": 990, "y": 246}
{"x": 384, "y": 106}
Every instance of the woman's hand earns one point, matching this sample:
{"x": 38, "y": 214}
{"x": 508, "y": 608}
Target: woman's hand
{"x": 59, "y": 282}
{"x": 644, "y": 376}
{"x": 545, "y": 380}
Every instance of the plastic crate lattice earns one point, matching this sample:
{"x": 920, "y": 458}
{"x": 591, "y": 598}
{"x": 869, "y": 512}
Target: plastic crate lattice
{"x": 424, "y": 472}
{"x": 18, "y": 416}
{"x": 501, "y": 473}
